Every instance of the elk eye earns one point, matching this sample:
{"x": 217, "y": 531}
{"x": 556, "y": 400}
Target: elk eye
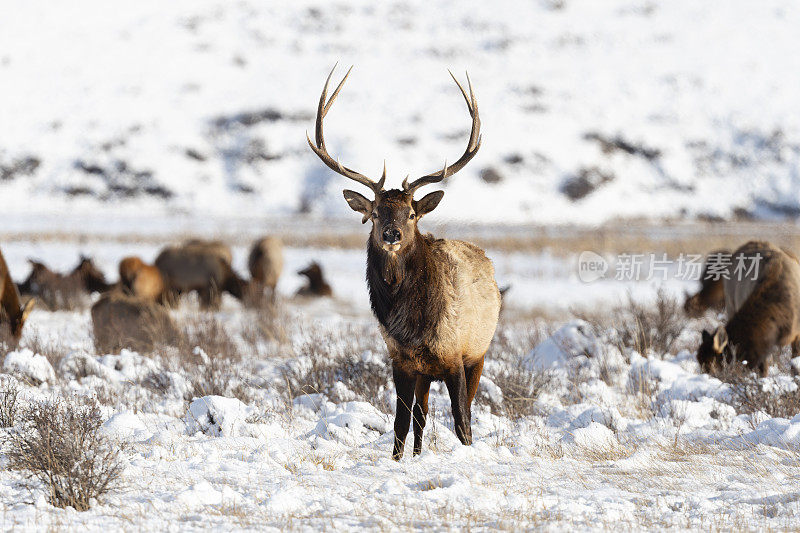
{"x": 375, "y": 216}
{"x": 411, "y": 216}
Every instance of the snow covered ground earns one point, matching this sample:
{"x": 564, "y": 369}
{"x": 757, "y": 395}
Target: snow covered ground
{"x": 603, "y": 436}
{"x": 634, "y": 108}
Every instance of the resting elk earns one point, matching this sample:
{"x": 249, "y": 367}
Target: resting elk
{"x": 436, "y": 300}
{"x": 763, "y": 310}
{"x": 317, "y": 286}
{"x": 11, "y": 311}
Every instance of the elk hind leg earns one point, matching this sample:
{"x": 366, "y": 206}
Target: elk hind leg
{"x": 420, "y": 411}
{"x": 457, "y": 388}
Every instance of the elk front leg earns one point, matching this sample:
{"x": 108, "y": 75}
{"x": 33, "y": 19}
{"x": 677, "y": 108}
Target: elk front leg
{"x": 420, "y": 411}
{"x": 457, "y": 387}
{"x": 404, "y": 383}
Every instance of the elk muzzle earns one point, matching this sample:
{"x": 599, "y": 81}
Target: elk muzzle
{"x": 391, "y": 238}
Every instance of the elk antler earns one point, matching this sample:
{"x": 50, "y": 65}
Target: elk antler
{"x": 472, "y": 146}
{"x": 322, "y": 152}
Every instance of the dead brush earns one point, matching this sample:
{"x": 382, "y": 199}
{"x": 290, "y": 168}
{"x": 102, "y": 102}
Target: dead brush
{"x": 642, "y": 389}
{"x": 269, "y": 324}
{"x": 749, "y": 396}
{"x": 53, "y": 351}
{"x": 61, "y": 449}
{"x": 9, "y": 398}
{"x": 210, "y": 357}
{"x": 364, "y": 378}
{"x": 642, "y": 327}
{"x": 521, "y": 388}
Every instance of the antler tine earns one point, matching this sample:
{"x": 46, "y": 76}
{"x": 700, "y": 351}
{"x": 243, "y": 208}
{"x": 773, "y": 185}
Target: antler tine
{"x": 321, "y": 150}
{"x": 472, "y": 146}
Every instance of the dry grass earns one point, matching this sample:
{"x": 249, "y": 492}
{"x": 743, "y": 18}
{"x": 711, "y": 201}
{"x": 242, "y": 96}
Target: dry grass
{"x": 62, "y": 449}
{"x": 749, "y": 395}
{"x": 642, "y": 327}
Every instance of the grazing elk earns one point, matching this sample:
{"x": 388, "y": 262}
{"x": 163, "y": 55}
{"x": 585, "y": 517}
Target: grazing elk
{"x": 64, "y": 291}
{"x": 317, "y": 286}
{"x": 124, "y": 321}
{"x": 712, "y": 293}
{"x": 139, "y": 279}
{"x": 11, "y": 311}
{"x": 201, "y": 268}
{"x": 436, "y": 300}
{"x": 265, "y": 263}
{"x": 763, "y": 310}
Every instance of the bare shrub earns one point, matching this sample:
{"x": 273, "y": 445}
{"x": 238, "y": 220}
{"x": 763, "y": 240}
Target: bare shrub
{"x": 269, "y": 324}
{"x": 521, "y": 388}
{"x": 61, "y": 447}
{"x": 640, "y": 326}
{"x": 642, "y": 389}
{"x": 749, "y": 396}
{"x": 53, "y": 351}
{"x": 209, "y": 355}
{"x": 9, "y": 395}
{"x": 363, "y": 377}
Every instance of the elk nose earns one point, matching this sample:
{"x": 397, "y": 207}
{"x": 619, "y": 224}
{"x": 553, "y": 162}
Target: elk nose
{"x": 392, "y": 236}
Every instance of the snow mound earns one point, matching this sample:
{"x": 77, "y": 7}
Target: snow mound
{"x": 126, "y": 426}
{"x": 203, "y": 493}
{"x": 594, "y": 435}
{"x": 572, "y": 339}
{"x": 217, "y": 416}
{"x": 31, "y": 366}
{"x": 350, "y": 422}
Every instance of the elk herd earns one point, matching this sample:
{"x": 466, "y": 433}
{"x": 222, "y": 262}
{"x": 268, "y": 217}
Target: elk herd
{"x": 436, "y": 301}
{"x": 135, "y": 310}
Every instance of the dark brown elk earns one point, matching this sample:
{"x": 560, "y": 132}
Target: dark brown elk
{"x": 317, "y": 286}
{"x": 265, "y": 263}
{"x": 137, "y": 278}
{"x": 436, "y": 300}
{"x": 712, "y": 293}
{"x": 12, "y": 313}
{"x": 123, "y": 321}
{"x": 763, "y": 309}
{"x": 90, "y": 277}
{"x": 194, "y": 267}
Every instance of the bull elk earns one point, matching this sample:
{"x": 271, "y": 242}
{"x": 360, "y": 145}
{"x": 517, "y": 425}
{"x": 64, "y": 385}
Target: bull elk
{"x": 763, "y": 310}
{"x": 436, "y": 300}
{"x": 11, "y": 311}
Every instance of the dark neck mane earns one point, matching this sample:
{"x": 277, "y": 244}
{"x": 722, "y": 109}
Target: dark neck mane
{"x": 404, "y": 291}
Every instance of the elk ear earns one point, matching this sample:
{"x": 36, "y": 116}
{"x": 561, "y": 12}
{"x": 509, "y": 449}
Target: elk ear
{"x": 720, "y": 340}
{"x": 428, "y": 203}
{"x": 27, "y": 308}
{"x": 358, "y": 202}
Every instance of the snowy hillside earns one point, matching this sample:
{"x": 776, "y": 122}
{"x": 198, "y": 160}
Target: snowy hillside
{"x": 591, "y": 110}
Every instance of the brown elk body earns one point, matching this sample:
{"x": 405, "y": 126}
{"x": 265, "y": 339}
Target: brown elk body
{"x": 317, "y": 286}
{"x": 265, "y": 263}
{"x": 712, "y": 292}
{"x": 436, "y": 300}
{"x": 763, "y": 311}
{"x": 12, "y": 312}
{"x": 140, "y": 279}
{"x": 194, "y": 267}
{"x": 124, "y": 321}
{"x": 64, "y": 291}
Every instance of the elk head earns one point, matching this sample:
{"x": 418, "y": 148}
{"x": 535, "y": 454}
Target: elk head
{"x": 714, "y": 349}
{"x": 394, "y": 213}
